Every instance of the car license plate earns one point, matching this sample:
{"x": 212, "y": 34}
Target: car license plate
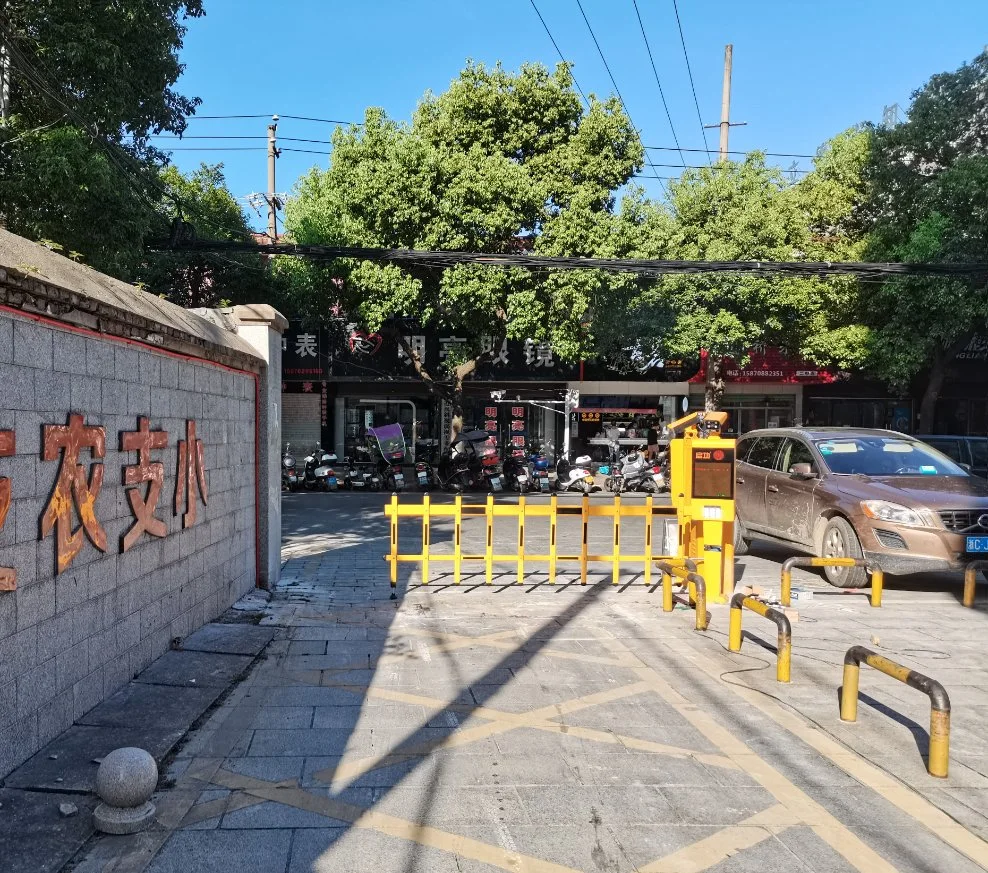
{"x": 496, "y": 483}
{"x": 399, "y": 478}
{"x": 358, "y": 483}
{"x": 977, "y": 544}
{"x": 522, "y": 477}
{"x": 331, "y": 482}
{"x": 423, "y": 478}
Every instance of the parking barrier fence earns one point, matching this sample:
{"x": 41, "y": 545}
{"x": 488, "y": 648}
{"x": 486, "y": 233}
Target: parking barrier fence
{"x": 655, "y": 517}
{"x": 877, "y": 576}
{"x": 784, "y": 645}
{"x": 939, "y": 756}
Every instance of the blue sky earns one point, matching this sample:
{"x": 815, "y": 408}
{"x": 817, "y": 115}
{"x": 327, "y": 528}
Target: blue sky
{"x": 803, "y": 69}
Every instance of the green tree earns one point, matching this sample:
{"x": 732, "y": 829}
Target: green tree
{"x": 928, "y": 201}
{"x": 195, "y": 279}
{"x": 90, "y": 83}
{"x": 500, "y": 162}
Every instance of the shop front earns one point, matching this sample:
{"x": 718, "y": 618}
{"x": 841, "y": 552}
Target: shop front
{"x": 765, "y": 392}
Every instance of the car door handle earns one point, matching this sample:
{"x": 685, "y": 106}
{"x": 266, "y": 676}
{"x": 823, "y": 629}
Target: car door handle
{"x": 774, "y": 489}
{"x": 740, "y": 480}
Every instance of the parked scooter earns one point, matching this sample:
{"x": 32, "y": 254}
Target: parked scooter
{"x": 289, "y": 474}
{"x": 516, "y": 474}
{"x": 319, "y": 474}
{"x": 360, "y": 476}
{"x": 627, "y": 474}
{"x": 576, "y": 476}
{"x": 387, "y": 443}
{"x": 539, "y": 468}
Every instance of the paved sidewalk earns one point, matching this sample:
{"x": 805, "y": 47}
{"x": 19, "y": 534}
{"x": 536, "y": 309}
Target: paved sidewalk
{"x": 558, "y": 728}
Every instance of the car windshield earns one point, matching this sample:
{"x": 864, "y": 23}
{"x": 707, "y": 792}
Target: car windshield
{"x": 885, "y": 456}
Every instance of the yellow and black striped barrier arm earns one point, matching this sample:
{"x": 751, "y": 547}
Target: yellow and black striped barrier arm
{"x": 877, "y": 576}
{"x": 939, "y": 756}
{"x": 784, "y": 645}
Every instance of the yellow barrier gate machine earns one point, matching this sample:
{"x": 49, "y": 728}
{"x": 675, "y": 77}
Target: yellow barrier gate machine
{"x": 702, "y": 476}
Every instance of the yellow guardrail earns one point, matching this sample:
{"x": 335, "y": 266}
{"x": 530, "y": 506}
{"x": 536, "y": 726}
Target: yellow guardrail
{"x": 522, "y": 512}
{"x": 696, "y": 586}
{"x": 939, "y": 757}
{"x": 877, "y": 576}
{"x": 784, "y": 646}
{"x": 970, "y": 576}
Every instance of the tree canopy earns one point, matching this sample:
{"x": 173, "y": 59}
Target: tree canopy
{"x": 90, "y": 83}
{"x": 499, "y": 162}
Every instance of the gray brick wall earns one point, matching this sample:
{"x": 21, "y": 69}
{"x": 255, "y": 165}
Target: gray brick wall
{"x": 69, "y": 641}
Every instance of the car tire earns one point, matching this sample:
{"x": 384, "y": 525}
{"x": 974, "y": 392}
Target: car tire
{"x": 741, "y": 542}
{"x": 840, "y": 541}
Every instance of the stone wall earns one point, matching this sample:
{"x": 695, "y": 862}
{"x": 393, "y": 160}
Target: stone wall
{"x": 95, "y": 599}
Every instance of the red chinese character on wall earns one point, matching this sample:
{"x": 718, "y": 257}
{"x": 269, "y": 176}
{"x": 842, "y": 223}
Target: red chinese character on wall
{"x": 490, "y": 412}
{"x": 518, "y": 441}
{"x": 517, "y": 411}
{"x": 143, "y": 441}
{"x": 191, "y": 470}
{"x": 72, "y": 487}
{"x": 8, "y": 575}
{"x": 517, "y": 425}
{"x": 490, "y": 426}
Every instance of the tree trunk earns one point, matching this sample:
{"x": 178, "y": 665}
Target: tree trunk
{"x": 713, "y": 391}
{"x": 934, "y": 382}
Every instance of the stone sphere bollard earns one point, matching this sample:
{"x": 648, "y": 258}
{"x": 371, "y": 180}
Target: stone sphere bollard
{"x": 125, "y": 782}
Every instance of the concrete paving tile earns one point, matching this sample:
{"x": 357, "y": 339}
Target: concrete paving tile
{"x": 272, "y": 814}
{"x": 34, "y": 836}
{"x": 275, "y": 769}
{"x": 218, "y": 851}
{"x": 229, "y": 639}
{"x": 137, "y": 705}
{"x": 449, "y": 807}
{"x": 718, "y": 805}
{"x": 283, "y": 717}
{"x": 306, "y": 696}
{"x": 579, "y": 847}
{"x": 299, "y": 743}
{"x": 332, "y": 850}
{"x": 195, "y": 668}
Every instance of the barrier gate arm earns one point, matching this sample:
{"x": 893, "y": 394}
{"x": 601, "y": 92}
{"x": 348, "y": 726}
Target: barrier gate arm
{"x": 939, "y": 757}
{"x": 877, "y": 576}
{"x": 784, "y": 645}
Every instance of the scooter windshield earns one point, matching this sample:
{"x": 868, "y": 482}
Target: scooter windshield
{"x": 390, "y": 439}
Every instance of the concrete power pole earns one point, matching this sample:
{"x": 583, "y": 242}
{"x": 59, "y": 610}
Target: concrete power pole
{"x": 272, "y": 198}
{"x": 725, "y": 106}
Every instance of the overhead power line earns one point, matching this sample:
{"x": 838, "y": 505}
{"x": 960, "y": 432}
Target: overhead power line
{"x": 662, "y": 94}
{"x": 689, "y": 70}
{"x": 559, "y": 52}
{"x": 617, "y": 90}
{"x": 446, "y": 259}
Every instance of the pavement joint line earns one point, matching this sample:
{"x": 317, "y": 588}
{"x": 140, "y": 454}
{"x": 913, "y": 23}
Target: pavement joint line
{"x": 708, "y": 852}
{"x": 891, "y": 789}
{"x": 861, "y": 856}
{"x": 393, "y": 826}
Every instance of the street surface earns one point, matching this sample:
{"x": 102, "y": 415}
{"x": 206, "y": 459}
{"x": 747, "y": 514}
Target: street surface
{"x": 559, "y": 728}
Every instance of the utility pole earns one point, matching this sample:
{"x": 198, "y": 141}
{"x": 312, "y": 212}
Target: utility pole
{"x": 725, "y": 106}
{"x": 272, "y": 198}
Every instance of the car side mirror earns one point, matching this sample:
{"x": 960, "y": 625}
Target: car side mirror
{"x": 802, "y": 471}
{"x": 965, "y": 467}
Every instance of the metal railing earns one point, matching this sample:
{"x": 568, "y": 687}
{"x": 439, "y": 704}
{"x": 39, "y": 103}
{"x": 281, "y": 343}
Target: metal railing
{"x": 939, "y": 757}
{"x": 696, "y": 586}
{"x": 877, "y": 576}
{"x": 522, "y": 512}
{"x": 970, "y": 577}
{"x": 784, "y": 645}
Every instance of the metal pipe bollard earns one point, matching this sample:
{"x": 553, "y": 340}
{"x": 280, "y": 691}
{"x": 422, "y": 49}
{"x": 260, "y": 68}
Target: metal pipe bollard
{"x": 877, "y": 575}
{"x": 692, "y": 578}
{"x": 970, "y": 577}
{"x": 939, "y": 758}
{"x": 784, "y": 645}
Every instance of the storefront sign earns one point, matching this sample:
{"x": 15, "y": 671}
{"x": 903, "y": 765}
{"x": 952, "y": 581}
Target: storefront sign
{"x": 769, "y": 364}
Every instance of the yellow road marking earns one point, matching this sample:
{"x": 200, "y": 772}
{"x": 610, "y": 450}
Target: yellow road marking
{"x": 391, "y": 825}
{"x": 801, "y": 806}
{"x": 894, "y": 791}
{"x": 717, "y": 847}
